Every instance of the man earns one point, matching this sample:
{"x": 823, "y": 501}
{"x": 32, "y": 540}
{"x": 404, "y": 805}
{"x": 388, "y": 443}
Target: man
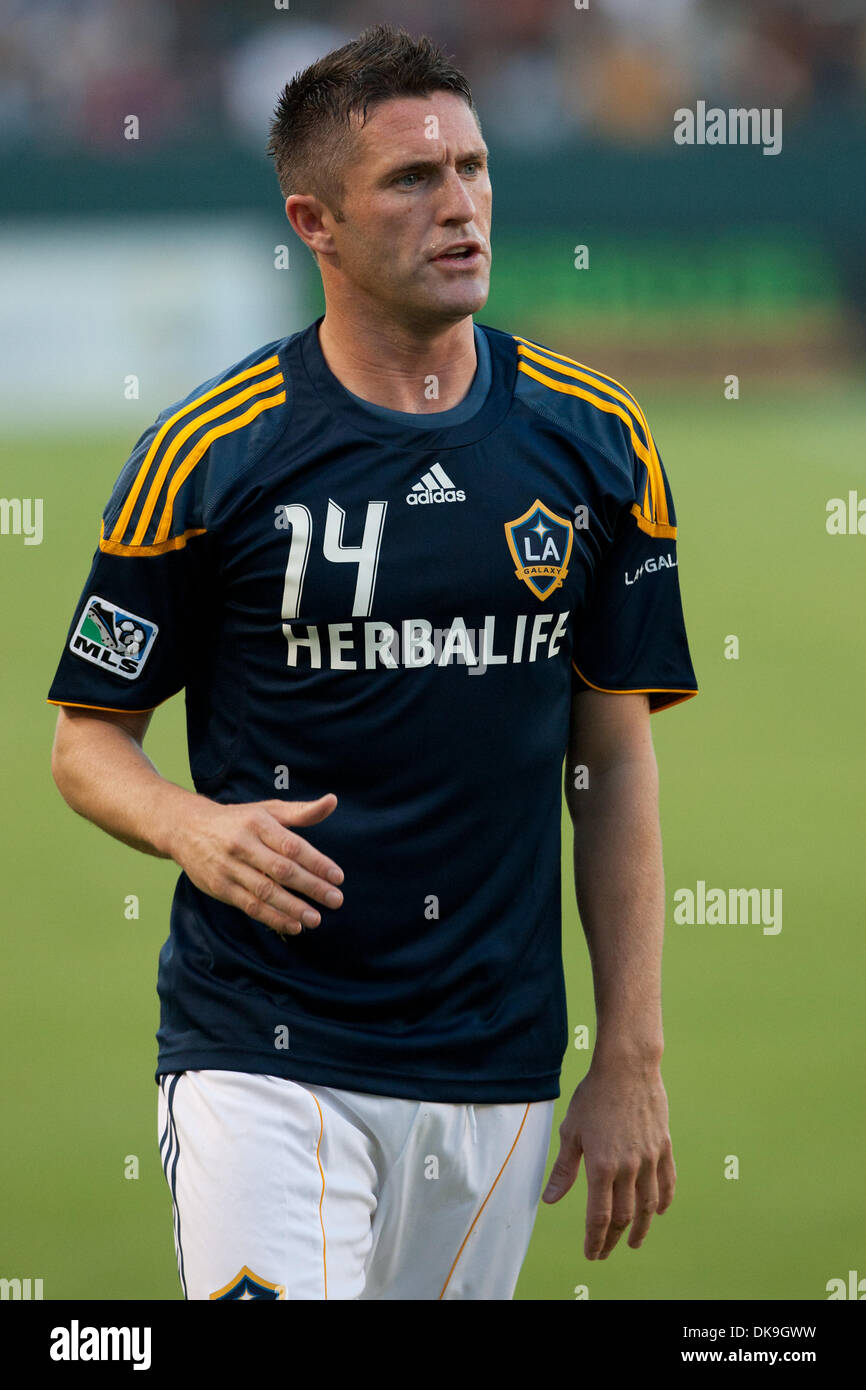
{"x": 402, "y": 565}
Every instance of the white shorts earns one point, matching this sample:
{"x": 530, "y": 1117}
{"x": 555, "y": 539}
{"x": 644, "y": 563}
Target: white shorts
{"x": 283, "y": 1189}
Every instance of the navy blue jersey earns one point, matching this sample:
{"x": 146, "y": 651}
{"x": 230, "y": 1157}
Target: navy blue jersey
{"x": 397, "y": 609}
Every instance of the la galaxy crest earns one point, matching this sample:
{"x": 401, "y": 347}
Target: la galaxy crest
{"x": 246, "y": 1286}
{"x": 540, "y": 543}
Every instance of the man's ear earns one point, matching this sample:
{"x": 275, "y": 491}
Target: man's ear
{"x": 308, "y": 218}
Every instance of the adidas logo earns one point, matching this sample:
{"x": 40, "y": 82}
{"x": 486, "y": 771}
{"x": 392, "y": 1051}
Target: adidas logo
{"x": 434, "y": 486}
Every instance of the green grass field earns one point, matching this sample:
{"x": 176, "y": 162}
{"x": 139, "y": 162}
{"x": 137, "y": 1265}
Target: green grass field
{"x": 762, "y": 780}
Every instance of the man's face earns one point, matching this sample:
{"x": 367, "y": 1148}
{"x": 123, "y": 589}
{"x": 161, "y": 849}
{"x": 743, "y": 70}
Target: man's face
{"x": 416, "y": 184}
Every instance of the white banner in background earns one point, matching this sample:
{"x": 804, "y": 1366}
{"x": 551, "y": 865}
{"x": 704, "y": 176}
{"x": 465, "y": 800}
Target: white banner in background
{"x": 94, "y": 310}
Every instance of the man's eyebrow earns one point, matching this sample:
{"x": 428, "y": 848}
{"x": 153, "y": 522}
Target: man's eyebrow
{"x": 414, "y": 166}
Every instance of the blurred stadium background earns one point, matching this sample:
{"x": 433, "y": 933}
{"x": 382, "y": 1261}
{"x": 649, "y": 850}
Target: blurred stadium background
{"x": 152, "y": 261}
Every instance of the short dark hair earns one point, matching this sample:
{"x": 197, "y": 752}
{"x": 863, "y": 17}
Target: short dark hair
{"x": 311, "y": 132}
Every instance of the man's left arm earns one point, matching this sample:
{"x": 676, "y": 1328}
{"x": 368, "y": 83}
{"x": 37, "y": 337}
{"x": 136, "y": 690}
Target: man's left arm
{"x": 618, "y": 1116}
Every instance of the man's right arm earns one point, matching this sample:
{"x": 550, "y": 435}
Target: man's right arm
{"x": 246, "y": 855}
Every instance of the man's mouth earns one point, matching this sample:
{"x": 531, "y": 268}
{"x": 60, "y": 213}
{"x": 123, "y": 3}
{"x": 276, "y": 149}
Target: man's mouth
{"x": 464, "y": 253}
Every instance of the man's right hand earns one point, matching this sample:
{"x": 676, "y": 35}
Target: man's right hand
{"x": 246, "y": 855}
{"x": 250, "y": 857}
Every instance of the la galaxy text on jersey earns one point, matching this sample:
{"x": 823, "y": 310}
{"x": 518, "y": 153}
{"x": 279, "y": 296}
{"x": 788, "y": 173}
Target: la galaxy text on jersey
{"x": 397, "y": 615}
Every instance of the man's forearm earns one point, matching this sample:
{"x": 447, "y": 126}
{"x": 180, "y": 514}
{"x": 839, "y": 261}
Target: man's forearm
{"x": 619, "y": 883}
{"x": 104, "y": 775}
{"x": 245, "y": 854}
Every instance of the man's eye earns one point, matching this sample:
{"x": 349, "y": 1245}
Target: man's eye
{"x": 403, "y": 177}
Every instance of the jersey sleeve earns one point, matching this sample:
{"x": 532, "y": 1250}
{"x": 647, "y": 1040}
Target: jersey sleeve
{"x": 632, "y": 637}
{"x": 133, "y": 631}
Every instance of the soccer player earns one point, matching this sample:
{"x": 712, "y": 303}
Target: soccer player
{"x": 403, "y": 565}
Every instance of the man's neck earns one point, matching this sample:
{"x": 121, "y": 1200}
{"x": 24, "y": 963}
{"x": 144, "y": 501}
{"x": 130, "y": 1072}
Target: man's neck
{"x": 394, "y": 366}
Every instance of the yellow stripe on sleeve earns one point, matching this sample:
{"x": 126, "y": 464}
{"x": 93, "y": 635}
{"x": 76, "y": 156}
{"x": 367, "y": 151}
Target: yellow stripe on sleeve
{"x": 203, "y": 444}
{"x": 111, "y": 547}
{"x": 180, "y": 439}
{"x": 655, "y": 506}
{"x": 156, "y": 443}
{"x": 681, "y": 691}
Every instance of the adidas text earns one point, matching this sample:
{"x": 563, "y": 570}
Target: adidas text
{"x": 439, "y": 494}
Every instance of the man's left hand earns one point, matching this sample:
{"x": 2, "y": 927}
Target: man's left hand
{"x": 618, "y": 1119}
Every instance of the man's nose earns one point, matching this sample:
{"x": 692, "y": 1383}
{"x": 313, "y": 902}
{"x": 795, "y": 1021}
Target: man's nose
{"x": 456, "y": 203}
